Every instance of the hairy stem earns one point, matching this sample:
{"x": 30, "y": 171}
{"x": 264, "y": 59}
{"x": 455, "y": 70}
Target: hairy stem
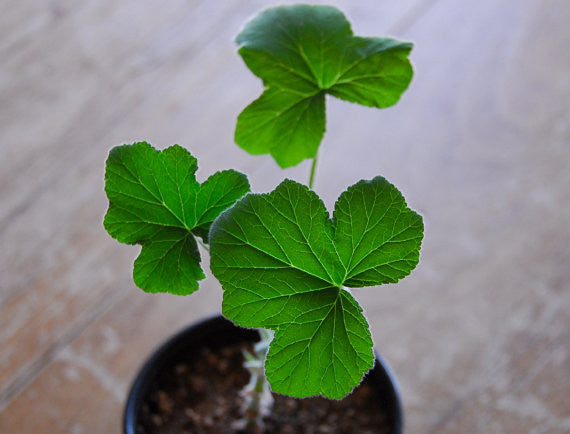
{"x": 256, "y": 394}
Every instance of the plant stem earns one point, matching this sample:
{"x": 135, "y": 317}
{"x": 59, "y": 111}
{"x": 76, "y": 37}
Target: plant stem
{"x": 312, "y": 178}
{"x": 256, "y": 394}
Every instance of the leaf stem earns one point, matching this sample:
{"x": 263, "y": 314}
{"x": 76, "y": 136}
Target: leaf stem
{"x": 257, "y": 397}
{"x": 312, "y": 178}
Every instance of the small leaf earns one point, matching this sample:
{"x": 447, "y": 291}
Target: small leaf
{"x": 301, "y": 53}
{"x": 155, "y": 201}
{"x": 284, "y": 265}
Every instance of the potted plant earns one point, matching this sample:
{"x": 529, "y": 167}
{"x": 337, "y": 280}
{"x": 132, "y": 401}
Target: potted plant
{"x": 286, "y": 267}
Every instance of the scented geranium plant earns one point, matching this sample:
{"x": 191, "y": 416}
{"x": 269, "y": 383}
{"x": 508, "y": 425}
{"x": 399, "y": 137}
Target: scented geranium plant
{"x": 286, "y": 266}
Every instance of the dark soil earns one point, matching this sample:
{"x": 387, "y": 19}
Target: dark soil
{"x": 202, "y": 396}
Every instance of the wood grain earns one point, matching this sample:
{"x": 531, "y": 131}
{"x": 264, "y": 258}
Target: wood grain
{"x": 480, "y": 145}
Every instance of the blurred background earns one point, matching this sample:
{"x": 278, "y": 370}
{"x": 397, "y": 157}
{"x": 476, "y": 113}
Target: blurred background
{"x": 478, "y": 335}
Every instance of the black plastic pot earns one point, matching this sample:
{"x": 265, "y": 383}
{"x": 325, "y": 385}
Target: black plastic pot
{"x": 217, "y": 332}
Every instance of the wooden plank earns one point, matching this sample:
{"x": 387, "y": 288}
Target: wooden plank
{"x": 93, "y": 374}
{"x": 479, "y": 145}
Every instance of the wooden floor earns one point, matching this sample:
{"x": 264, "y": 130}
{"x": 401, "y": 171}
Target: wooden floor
{"x": 479, "y": 335}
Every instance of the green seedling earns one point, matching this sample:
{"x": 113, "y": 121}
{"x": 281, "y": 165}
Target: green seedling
{"x": 285, "y": 265}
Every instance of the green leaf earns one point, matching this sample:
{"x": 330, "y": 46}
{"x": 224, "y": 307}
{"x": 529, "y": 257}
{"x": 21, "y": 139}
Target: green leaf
{"x": 169, "y": 262}
{"x": 285, "y": 265}
{"x": 155, "y": 201}
{"x": 301, "y": 53}
{"x": 286, "y": 120}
